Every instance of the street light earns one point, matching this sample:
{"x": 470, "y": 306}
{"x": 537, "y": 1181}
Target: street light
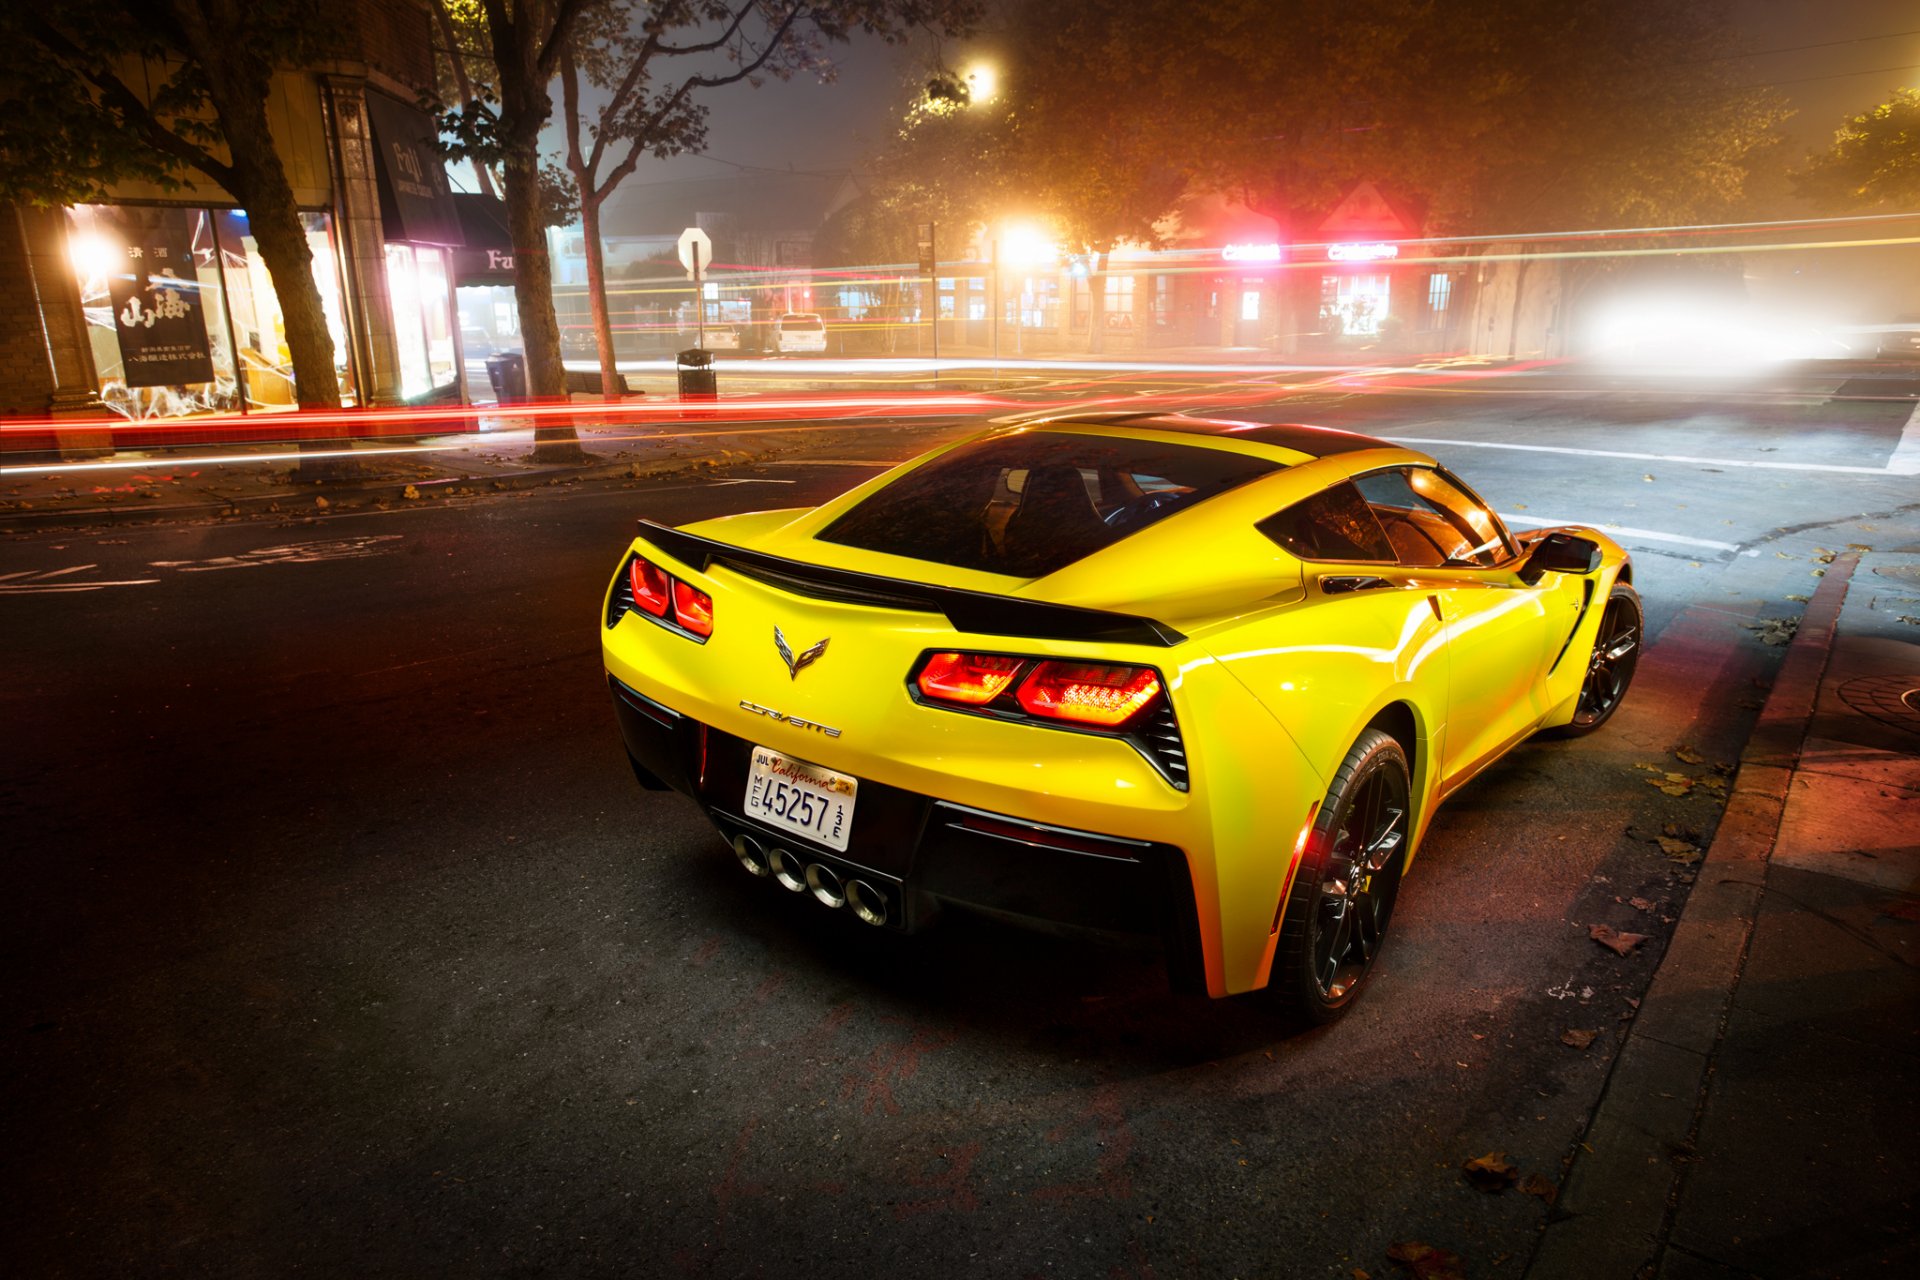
{"x": 982, "y": 82}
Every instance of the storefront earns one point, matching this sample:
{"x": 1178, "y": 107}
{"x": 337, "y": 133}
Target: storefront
{"x": 422, "y": 228}
{"x": 181, "y": 312}
{"x": 488, "y": 308}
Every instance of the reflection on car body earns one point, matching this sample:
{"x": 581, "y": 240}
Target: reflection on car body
{"x": 1130, "y": 672}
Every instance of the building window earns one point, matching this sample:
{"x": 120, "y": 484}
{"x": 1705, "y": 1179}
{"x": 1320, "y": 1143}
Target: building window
{"x": 947, "y": 308}
{"x": 976, "y": 298}
{"x": 1249, "y": 304}
{"x": 422, "y": 304}
{"x": 182, "y": 315}
{"x": 1353, "y": 304}
{"x": 1439, "y": 290}
{"x": 1162, "y": 301}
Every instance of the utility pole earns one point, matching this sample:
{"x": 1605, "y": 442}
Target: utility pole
{"x": 993, "y": 316}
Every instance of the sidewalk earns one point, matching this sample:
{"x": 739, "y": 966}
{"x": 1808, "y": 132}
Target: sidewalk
{"x": 1763, "y": 1118}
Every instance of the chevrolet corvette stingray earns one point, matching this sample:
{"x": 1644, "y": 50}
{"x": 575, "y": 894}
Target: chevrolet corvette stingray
{"x": 1127, "y": 673}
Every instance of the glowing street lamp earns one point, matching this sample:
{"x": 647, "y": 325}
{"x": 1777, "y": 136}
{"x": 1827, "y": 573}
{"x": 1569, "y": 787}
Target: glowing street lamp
{"x": 982, "y": 82}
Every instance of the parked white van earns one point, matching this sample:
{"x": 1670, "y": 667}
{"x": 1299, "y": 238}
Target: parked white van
{"x": 799, "y": 331}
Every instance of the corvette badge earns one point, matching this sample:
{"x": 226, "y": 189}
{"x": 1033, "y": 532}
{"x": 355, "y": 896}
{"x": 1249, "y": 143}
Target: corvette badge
{"x": 806, "y": 658}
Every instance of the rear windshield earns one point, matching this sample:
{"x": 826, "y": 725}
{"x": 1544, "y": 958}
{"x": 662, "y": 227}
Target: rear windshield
{"x": 806, "y": 324}
{"x": 1033, "y": 502}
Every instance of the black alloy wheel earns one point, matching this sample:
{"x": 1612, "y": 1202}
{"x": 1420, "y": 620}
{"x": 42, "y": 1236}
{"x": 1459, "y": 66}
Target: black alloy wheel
{"x": 1349, "y": 876}
{"x": 1616, "y": 652}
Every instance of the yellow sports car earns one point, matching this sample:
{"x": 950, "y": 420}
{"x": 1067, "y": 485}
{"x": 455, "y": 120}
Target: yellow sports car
{"x": 1131, "y": 673}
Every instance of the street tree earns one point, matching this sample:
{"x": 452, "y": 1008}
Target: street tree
{"x": 1874, "y": 159}
{"x": 72, "y": 125}
{"x": 631, "y": 72}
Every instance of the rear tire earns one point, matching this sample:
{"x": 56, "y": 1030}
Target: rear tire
{"x": 1343, "y": 894}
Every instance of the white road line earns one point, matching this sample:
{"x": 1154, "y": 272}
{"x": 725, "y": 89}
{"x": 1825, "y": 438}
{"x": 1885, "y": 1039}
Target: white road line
{"x": 1623, "y": 531}
{"x": 1906, "y": 455}
{"x": 1660, "y": 457}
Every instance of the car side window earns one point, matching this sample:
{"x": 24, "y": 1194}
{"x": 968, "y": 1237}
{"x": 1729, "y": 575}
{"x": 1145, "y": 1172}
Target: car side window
{"x": 1334, "y": 524}
{"x": 1432, "y": 522}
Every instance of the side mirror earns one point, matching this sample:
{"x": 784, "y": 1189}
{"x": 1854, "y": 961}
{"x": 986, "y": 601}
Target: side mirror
{"x": 1560, "y": 553}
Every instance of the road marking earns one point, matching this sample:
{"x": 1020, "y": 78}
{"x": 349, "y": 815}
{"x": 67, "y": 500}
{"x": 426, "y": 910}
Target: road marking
{"x": 290, "y": 553}
{"x": 1624, "y": 531}
{"x": 1906, "y": 454}
{"x": 32, "y": 582}
{"x": 1664, "y": 457}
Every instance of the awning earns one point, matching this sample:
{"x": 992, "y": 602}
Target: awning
{"x": 488, "y": 255}
{"x": 416, "y": 205}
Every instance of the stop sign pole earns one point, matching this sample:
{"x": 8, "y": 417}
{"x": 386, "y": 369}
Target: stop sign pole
{"x": 696, "y": 251}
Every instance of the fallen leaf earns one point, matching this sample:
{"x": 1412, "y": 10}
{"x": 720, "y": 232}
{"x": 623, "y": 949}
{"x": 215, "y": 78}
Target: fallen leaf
{"x": 1426, "y": 1262}
{"x": 410, "y": 492}
{"x": 1672, "y": 784}
{"x": 1650, "y": 768}
{"x": 1823, "y": 556}
{"x": 1612, "y": 939}
{"x": 1535, "y": 1184}
{"x": 1577, "y": 1039}
{"x": 1819, "y": 573}
{"x": 1648, "y": 477}
{"x": 321, "y": 503}
{"x": 1687, "y": 755}
{"x": 1640, "y": 904}
{"x": 1775, "y": 631}
{"x": 1679, "y": 851}
{"x": 1799, "y": 599}
{"x": 1491, "y": 1172}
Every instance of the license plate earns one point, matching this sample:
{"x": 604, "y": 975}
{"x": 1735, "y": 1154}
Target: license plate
{"x": 800, "y": 797}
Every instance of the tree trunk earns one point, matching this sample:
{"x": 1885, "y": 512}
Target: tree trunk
{"x": 597, "y": 295}
{"x": 533, "y": 294}
{"x": 259, "y": 182}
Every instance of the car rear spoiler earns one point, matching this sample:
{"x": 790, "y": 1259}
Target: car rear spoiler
{"x": 977, "y": 612}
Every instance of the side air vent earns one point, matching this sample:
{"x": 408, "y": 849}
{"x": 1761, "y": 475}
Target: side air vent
{"x": 1159, "y": 740}
{"x": 622, "y": 598}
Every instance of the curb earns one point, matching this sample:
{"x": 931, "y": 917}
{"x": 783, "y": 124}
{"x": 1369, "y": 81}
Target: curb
{"x": 1615, "y": 1207}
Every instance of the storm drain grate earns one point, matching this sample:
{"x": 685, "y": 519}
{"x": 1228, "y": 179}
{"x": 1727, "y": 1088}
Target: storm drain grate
{"x": 1893, "y": 700}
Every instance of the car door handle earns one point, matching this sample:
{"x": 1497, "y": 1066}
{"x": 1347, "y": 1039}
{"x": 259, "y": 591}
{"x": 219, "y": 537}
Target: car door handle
{"x": 1438, "y": 612}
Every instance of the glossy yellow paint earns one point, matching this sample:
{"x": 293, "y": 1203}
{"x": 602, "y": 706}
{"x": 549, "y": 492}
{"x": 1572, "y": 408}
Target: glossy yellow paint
{"x": 1276, "y": 679}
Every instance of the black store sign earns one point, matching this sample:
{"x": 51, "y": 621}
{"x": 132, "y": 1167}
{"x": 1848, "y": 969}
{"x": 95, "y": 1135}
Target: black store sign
{"x": 157, "y": 309}
{"x": 415, "y": 203}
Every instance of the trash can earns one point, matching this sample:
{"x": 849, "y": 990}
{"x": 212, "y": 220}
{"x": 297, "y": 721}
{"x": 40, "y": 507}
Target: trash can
{"x": 697, "y": 381}
{"x": 507, "y": 371}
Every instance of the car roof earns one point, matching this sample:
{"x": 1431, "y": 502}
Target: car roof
{"x": 1295, "y": 437}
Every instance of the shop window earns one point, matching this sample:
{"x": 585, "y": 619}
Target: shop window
{"x": 1249, "y": 304}
{"x": 1439, "y": 291}
{"x": 947, "y": 307}
{"x": 181, "y": 311}
{"x": 976, "y": 299}
{"x": 1162, "y": 301}
{"x": 422, "y": 305}
{"x": 1353, "y": 304}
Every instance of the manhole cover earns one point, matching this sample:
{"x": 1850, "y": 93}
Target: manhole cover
{"x": 1893, "y": 700}
{"x": 1900, "y": 572}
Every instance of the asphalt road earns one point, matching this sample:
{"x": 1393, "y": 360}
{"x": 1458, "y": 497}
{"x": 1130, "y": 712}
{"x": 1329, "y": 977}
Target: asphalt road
{"x": 340, "y": 941}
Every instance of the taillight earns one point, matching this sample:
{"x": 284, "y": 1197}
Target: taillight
{"x": 974, "y": 679}
{"x": 652, "y": 589}
{"x": 1088, "y": 693}
{"x": 692, "y": 609}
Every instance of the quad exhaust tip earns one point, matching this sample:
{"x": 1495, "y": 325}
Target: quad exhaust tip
{"x": 869, "y": 904}
{"x": 751, "y": 855}
{"x": 788, "y": 870}
{"x": 825, "y": 885}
